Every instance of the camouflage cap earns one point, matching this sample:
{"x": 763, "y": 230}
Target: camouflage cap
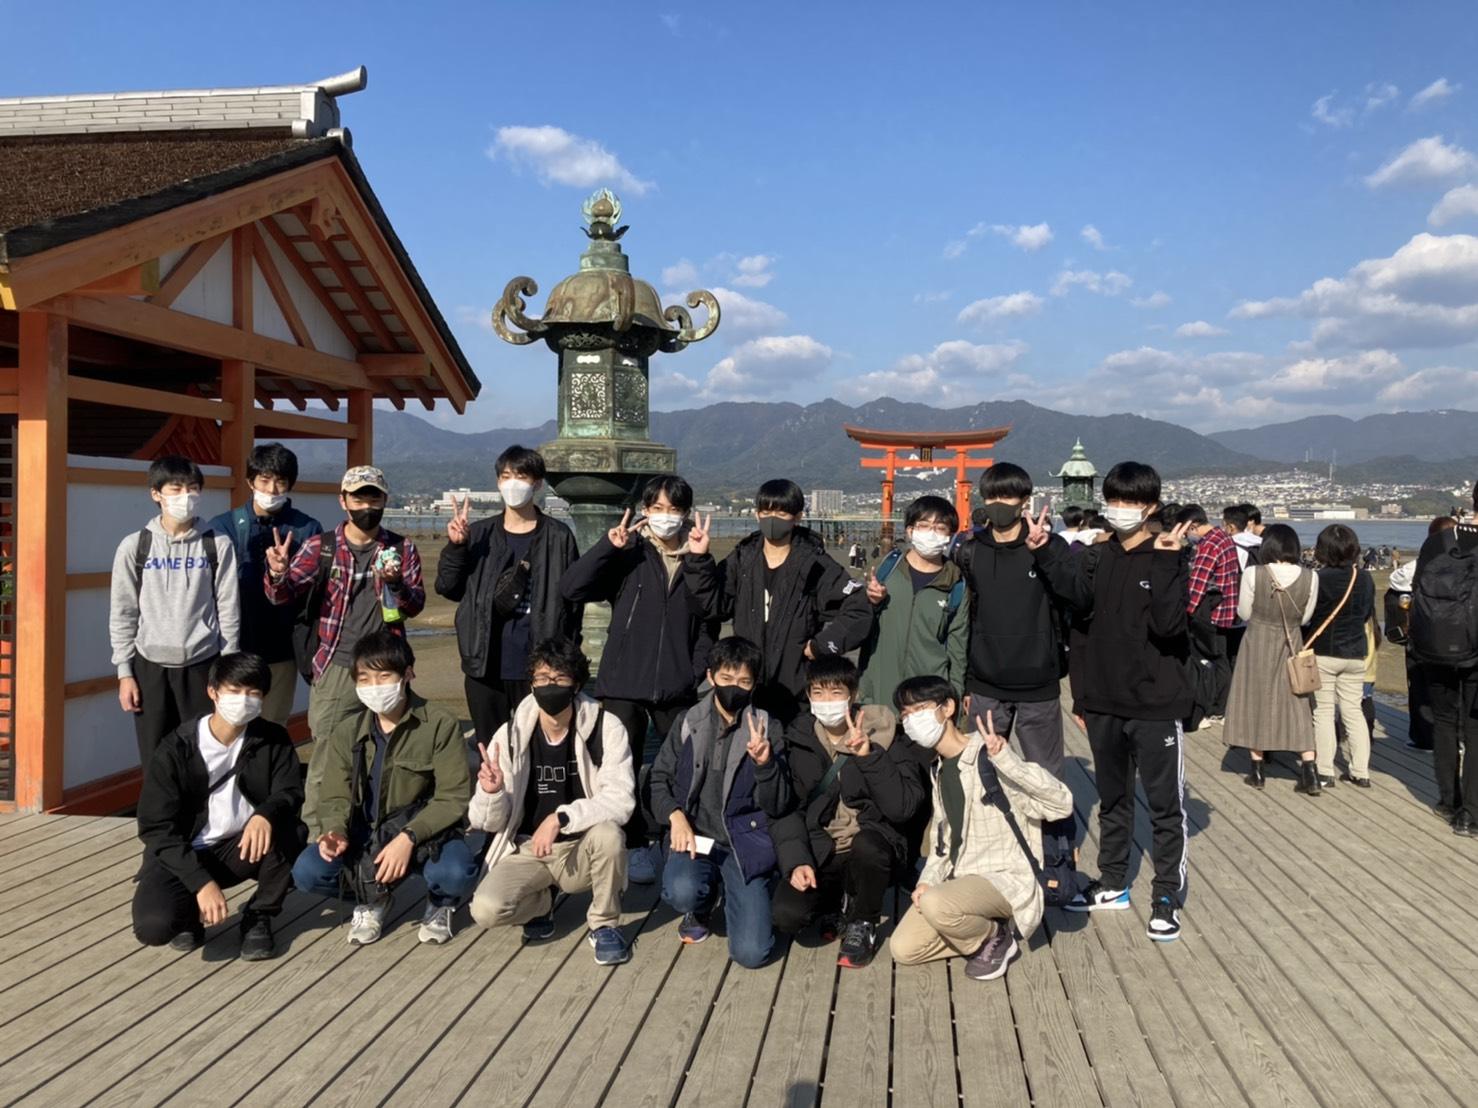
{"x": 361, "y": 477}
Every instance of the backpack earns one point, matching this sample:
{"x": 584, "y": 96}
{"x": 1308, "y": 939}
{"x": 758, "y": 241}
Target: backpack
{"x": 1058, "y": 870}
{"x": 952, "y": 605}
{"x": 1209, "y": 681}
{"x": 1444, "y": 605}
{"x": 305, "y": 628}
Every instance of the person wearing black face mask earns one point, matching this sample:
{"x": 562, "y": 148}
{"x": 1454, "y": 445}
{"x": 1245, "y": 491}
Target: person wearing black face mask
{"x": 554, "y": 790}
{"x": 360, "y": 578}
{"x": 785, "y": 594}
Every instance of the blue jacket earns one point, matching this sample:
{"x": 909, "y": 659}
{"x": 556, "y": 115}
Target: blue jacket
{"x": 754, "y": 795}
{"x": 266, "y": 629}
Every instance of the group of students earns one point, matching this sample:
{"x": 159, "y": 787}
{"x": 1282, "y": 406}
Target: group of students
{"x": 785, "y": 785}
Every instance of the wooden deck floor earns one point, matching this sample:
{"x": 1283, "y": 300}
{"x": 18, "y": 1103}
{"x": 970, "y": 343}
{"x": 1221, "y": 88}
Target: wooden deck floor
{"x": 1329, "y": 957}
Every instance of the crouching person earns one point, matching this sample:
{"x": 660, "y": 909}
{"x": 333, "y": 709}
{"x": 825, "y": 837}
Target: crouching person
{"x": 718, "y": 781}
{"x": 555, "y": 791}
{"x": 220, "y": 805}
{"x": 395, "y": 787}
{"x": 978, "y": 884}
{"x": 856, "y": 791}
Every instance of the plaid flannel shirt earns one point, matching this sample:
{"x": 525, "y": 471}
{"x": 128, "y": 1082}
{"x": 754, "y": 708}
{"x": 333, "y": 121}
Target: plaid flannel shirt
{"x": 1215, "y": 566}
{"x": 411, "y": 591}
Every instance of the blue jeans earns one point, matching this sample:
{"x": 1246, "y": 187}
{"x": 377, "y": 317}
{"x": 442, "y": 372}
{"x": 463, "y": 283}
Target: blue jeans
{"x": 690, "y": 885}
{"x": 450, "y": 878}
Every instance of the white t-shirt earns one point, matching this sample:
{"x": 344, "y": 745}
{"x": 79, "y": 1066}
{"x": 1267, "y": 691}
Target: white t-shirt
{"x": 227, "y": 812}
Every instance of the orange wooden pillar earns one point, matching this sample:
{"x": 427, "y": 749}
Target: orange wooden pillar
{"x": 360, "y": 450}
{"x": 892, "y": 457}
{"x": 238, "y": 388}
{"x": 41, "y": 561}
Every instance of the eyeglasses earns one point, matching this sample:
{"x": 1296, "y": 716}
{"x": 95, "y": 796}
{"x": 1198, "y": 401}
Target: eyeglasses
{"x": 552, "y": 682}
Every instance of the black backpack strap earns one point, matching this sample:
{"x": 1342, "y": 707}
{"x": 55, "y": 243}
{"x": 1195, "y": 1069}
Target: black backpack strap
{"x": 833, "y": 771}
{"x": 597, "y": 744}
{"x": 212, "y": 556}
{"x": 997, "y": 798}
{"x": 230, "y": 773}
{"x": 141, "y": 558}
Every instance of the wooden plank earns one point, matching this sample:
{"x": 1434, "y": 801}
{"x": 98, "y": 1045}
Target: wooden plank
{"x": 990, "y": 1066}
{"x": 140, "y": 280}
{"x": 151, "y": 400}
{"x": 857, "y": 1052}
{"x": 725, "y": 1060}
{"x": 90, "y": 686}
{"x": 278, "y": 289}
{"x": 923, "y": 1035}
{"x": 46, "y": 836}
{"x": 187, "y": 269}
{"x": 305, "y": 271}
{"x": 360, "y": 450}
{"x": 70, "y": 856}
{"x": 790, "y": 1063}
{"x": 308, "y": 426}
{"x": 77, "y": 582}
{"x": 340, "y": 269}
{"x": 61, "y": 912}
{"x": 399, "y": 364}
{"x": 22, "y": 825}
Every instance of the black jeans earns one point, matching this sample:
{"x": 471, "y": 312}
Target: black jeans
{"x": 1155, "y": 748}
{"x": 862, "y": 876}
{"x": 163, "y": 907}
{"x": 168, "y": 697}
{"x": 1452, "y": 703}
{"x": 491, "y": 703}
{"x": 1418, "y": 705}
{"x": 635, "y": 715}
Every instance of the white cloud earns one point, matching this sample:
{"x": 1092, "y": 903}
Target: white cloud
{"x": 761, "y": 367}
{"x": 559, "y": 157}
{"x": 1445, "y": 384}
{"x": 1425, "y": 161}
{"x": 1029, "y": 238}
{"x": 1011, "y": 306}
{"x": 474, "y": 317}
{"x": 932, "y": 296}
{"x": 953, "y": 372}
{"x": 1112, "y": 283}
{"x": 1353, "y": 375}
{"x": 1380, "y": 93}
{"x": 1199, "y": 329}
{"x": 682, "y": 272}
{"x": 670, "y": 387}
{"x": 1155, "y": 299}
{"x": 753, "y": 271}
{"x": 954, "y": 249}
{"x": 1458, "y": 203}
{"x": 743, "y": 316}
{"x": 1326, "y": 113}
{"x": 1093, "y": 237}
{"x": 1438, "y": 91}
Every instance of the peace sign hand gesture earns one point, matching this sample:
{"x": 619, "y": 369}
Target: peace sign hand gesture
{"x": 619, "y": 535}
{"x": 857, "y": 741}
{"x": 459, "y": 526}
{"x": 489, "y": 775}
{"x": 758, "y": 745}
{"x": 698, "y": 537}
{"x": 1174, "y": 538}
{"x": 994, "y": 744}
{"x": 877, "y": 592}
{"x": 277, "y": 559}
{"x": 1037, "y": 530}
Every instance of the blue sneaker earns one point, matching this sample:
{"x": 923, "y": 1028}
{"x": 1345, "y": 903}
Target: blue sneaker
{"x": 1164, "y": 926}
{"x": 693, "y": 928}
{"x": 1095, "y": 898}
{"x": 610, "y": 946}
{"x": 539, "y": 929}
{"x": 641, "y": 865}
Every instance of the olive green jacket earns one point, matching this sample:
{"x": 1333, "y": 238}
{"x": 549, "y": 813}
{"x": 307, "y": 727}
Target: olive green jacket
{"x": 425, "y": 760}
{"x": 905, "y": 639}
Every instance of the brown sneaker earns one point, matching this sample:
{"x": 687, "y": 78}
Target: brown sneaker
{"x": 994, "y": 955}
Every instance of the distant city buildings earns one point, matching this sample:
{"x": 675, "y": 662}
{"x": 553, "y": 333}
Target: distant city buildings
{"x": 826, "y": 503}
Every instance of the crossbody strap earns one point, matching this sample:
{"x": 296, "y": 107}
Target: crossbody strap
{"x": 833, "y": 771}
{"x": 996, "y": 796}
{"x": 1282, "y": 596}
{"x": 1309, "y": 642}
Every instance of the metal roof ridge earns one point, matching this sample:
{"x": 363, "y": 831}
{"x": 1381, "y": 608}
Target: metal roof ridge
{"x": 341, "y": 84}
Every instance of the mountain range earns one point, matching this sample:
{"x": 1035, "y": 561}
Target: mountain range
{"x": 732, "y": 447}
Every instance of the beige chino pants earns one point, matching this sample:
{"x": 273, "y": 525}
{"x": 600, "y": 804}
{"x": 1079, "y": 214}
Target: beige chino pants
{"x": 521, "y": 887}
{"x": 951, "y": 919}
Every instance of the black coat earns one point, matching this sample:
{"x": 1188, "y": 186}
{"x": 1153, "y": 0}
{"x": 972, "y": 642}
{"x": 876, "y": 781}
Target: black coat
{"x": 815, "y": 602}
{"x": 659, "y": 639}
{"x": 468, "y": 571}
{"x": 886, "y": 789}
{"x": 175, "y": 798}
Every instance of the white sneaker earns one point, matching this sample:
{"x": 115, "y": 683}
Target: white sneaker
{"x": 436, "y": 923}
{"x": 368, "y": 921}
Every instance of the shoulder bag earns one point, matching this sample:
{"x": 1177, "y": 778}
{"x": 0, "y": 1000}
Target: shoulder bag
{"x": 1302, "y": 667}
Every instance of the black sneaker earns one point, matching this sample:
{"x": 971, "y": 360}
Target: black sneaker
{"x": 1445, "y": 812}
{"x": 859, "y": 944}
{"x": 1462, "y": 824}
{"x": 187, "y": 941}
{"x": 539, "y": 929}
{"x": 994, "y": 956}
{"x": 829, "y": 926}
{"x": 257, "y": 944}
{"x": 1164, "y": 921}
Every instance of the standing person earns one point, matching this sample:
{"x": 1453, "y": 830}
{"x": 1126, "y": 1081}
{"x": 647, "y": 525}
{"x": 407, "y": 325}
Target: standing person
{"x": 857, "y": 790}
{"x": 854, "y": 555}
{"x": 1276, "y": 599}
{"x": 1345, "y": 604}
{"x": 1398, "y": 630}
{"x": 1444, "y": 633}
{"x": 503, "y": 573}
{"x": 979, "y": 885}
{"x": 358, "y": 579}
{"x": 1215, "y": 568}
{"x": 920, "y": 624}
{"x": 784, "y": 593}
{"x": 266, "y": 628}
{"x": 657, "y": 649}
{"x": 394, "y": 791}
{"x": 719, "y": 782}
{"x": 553, "y": 791}
{"x": 1237, "y": 521}
{"x": 174, "y": 607}
{"x": 1136, "y": 691}
{"x": 219, "y": 806}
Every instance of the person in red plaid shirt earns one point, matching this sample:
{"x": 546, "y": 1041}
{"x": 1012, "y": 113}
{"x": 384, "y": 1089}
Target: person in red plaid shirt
{"x": 372, "y": 581}
{"x": 1214, "y": 568}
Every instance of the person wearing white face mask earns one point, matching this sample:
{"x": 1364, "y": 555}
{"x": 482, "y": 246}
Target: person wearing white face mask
{"x": 920, "y": 621}
{"x": 267, "y": 628}
{"x": 220, "y": 805}
{"x": 390, "y": 803}
{"x": 657, "y": 650}
{"x": 979, "y": 883}
{"x": 174, "y": 607}
{"x": 504, "y": 573}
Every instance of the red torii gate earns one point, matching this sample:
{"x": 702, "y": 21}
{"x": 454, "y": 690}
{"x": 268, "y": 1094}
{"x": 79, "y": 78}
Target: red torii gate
{"x": 924, "y": 443}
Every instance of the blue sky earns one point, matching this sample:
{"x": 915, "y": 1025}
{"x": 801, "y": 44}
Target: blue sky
{"x": 896, "y": 199}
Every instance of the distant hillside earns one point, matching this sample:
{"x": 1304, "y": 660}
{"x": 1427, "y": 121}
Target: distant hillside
{"x": 732, "y": 446}
{"x": 1425, "y": 436}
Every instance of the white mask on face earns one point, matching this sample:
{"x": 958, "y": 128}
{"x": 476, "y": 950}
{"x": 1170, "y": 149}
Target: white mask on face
{"x": 238, "y": 709}
{"x": 269, "y": 502}
{"x": 181, "y": 506}
{"x": 516, "y": 493}
{"x": 924, "y": 728}
{"x": 829, "y": 713}
{"x": 381, "y": 699}
{"x": 664, "y": 525}
{"x": 1124, "y": 520}
{"x": 929, "y": 544}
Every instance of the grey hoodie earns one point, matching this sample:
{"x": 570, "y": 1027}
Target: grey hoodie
{"x": 176, "y": 621}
